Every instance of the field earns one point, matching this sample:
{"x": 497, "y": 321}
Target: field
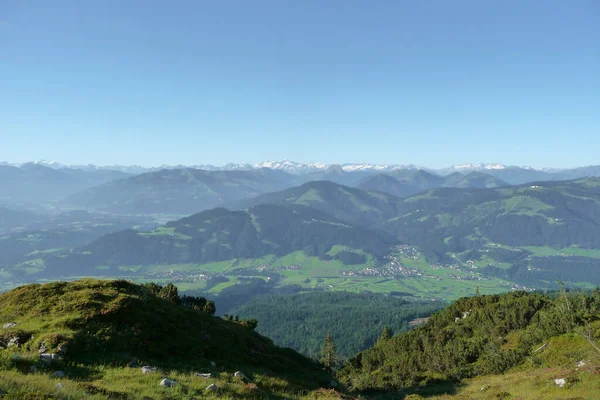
{"x": 412, "y": 276}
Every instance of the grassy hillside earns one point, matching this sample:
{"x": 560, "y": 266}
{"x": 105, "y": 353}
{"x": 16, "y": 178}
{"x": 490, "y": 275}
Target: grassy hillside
{"x": 98, "y": 327}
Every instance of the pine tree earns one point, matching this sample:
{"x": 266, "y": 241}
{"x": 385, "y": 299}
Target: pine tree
{"x": 386, "y": 335}
{"x": 329, "y": 353}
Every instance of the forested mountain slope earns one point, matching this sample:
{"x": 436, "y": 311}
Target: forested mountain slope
{"x": 301, "y": 321}
{"x": 477, "y": 336}
{"x": 220, "y": 234}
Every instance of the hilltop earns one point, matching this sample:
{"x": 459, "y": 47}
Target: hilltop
{"x": 92, "y": 330}
{"x": 343, "y": 202}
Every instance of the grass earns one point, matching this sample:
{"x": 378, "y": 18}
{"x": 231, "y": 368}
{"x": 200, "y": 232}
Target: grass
{"x": 534, "y": 379}
{"x": 103, "y": 324}
{"x": 546, "y": 251}
{"x": 309, "y": 197}
{"x": 165, "y": 231}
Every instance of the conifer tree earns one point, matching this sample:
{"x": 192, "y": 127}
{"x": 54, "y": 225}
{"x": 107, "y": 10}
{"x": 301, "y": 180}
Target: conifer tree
{"x": 329, "y": 353}
{"x": 386, "y": 335}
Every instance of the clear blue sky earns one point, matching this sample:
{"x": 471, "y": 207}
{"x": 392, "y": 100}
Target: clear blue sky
{"x": 425, "y": 82}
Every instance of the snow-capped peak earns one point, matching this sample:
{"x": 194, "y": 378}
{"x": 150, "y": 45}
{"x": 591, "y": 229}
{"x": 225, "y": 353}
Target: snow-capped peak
{"x": 494, "y": 166}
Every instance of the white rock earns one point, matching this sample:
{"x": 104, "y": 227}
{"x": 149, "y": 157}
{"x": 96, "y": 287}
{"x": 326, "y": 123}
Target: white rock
{"x": 205, "y": 376}
{"x": 9, "y": 325}
{"x": 147, "y": 369}
{"x": 560, "y": 382}
{"x": 167, "y": 383}
{"x": 212, "y": 388}
{"x": 580, "y": 364}
{"x": 59, "y": 374}
{"x": 59, "y": 385}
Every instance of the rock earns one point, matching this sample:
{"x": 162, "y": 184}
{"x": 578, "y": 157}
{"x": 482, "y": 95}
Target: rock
{"x": 465, "y": 314}
{"x": 212, "y": 388}
{"x": 167, "y": 383}
{"x": 59, "y": 385}
{"x": 48, "y": 358}
{"x": 14, "y": 342}
{"x": 205, "y": 376}
{"x": 58, "y": 374}
{"x": 560, "y": 382}
{"x": 242, "y": 376}
{"x": 43, "y": 348}
{"x": 580, "y": 364}
{"x": 147, "y": 369}
{"x": 9, "y": 325}
{"x": 213, "y": 364}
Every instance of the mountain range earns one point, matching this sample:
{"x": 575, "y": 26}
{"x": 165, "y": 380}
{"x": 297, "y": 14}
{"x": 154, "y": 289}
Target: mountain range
{"x": 495, "y": 169}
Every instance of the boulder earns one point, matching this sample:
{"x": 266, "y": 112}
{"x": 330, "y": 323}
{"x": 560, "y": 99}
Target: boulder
{"x": 58, "y": 374}
{"x": 561, "y": 382}
{"x": 14, "y": 342}
{"x": 204, "y": 376}
{"x": 9, "y": 325}
{"x": 167, "y": 383}
{"x": 212, "y": 388}
{"x": 147, "y": 369}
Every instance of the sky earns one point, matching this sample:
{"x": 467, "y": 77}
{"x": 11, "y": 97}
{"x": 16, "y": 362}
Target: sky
{"x": 431, "y": 83}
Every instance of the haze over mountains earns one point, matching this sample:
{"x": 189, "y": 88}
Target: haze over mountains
{"x": 57, "y": 219}
{"x": 301, "y": 168}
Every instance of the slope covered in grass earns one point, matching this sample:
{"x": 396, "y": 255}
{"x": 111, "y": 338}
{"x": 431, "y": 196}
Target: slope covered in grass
{"x": 100, "y": 326}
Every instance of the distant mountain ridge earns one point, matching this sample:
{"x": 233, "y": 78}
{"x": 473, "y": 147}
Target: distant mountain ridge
{"x": 509, "y": 173}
